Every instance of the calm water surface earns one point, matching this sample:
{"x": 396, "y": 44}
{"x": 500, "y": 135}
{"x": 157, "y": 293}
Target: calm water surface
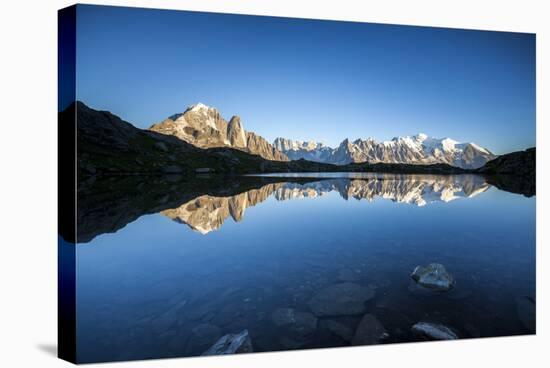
{"x": 171, "y": 283}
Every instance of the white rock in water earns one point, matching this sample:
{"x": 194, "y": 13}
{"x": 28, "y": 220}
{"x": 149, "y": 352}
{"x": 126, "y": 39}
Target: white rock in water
{"x": 231, "y": 344}
{"x": 433, "y": 276}
{"x": 434, "y": 331}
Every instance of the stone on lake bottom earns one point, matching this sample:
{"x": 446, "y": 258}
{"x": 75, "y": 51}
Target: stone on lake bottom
{"x": 339, "y": 329}
{"x": 369, "y": 332}
{"x": 434, "y": 276}
{"x": 202, "y": 336}
{"x": 343, "y": 299}
{"x": 301, "y": 323}
{"x": 433, "y": 331}
{"x": 231, "y": 344}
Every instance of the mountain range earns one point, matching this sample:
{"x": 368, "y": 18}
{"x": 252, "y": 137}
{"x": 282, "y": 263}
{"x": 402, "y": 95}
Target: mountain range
{"x": 204, "y": 127}
{"x": 417, "y": 149}
{"x": 199, "y": 140}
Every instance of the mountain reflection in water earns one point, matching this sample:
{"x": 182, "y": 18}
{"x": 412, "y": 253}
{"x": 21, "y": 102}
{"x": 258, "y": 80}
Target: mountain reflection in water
{"x": 208, "y": 213}
{"x": 108, "y": 204}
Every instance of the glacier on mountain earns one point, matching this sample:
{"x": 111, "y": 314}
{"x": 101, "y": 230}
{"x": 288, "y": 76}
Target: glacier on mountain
{"x": 417, "y": 149}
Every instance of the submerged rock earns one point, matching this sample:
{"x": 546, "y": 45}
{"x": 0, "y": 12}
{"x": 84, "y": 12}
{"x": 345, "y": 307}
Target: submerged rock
{"x": 341, "y": 300}
{"x": 231, "y": 344}
{"x": 301, "y": 323}
{"x": 434, "y": 276}
{"x": 433, "y": 331}
{"x": 202, "y": 336}
{"x": 527, "y": 313}
{"x": 339, "y": 329}
{"x": 370, "y": 331}
{"x": 295, "y": 329}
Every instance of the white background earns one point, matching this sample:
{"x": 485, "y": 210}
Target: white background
{"x": 28, "y": 183}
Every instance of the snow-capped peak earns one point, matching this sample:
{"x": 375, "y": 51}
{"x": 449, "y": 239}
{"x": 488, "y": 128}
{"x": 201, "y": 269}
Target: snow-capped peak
{"x": 421, "y": 137}
{"x": 448, "y": 144}
{"x": 283, "y": 144}
{"x": 479, "y": 148}
{"x": 198, "y": 107}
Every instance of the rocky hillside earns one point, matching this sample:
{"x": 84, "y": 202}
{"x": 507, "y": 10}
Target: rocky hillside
{"x": 204, "y": 127}
{"x": 514, "y": 172}
{"x": 418, "y": 149}
{"x": 521, "y": 163}
{"x": 108, "y": 145}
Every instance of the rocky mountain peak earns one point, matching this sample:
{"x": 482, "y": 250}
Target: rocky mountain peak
{"x": 199, "y": 107}
{"x": 204, "y": 127}
{"x": 236, "y": 133}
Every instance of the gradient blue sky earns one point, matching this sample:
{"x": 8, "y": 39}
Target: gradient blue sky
{"x": 308, "y": 79}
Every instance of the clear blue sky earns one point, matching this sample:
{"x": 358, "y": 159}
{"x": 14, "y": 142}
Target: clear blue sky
{"x": 308, "y": 79}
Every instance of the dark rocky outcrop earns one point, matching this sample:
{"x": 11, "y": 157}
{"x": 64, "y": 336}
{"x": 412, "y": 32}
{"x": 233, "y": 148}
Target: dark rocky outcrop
{"x": 513, "y": 172}
{"x": 520, "y": 163}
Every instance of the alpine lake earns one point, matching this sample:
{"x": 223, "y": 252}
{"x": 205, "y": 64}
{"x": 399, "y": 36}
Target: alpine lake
{"x": 166, "y": 266}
